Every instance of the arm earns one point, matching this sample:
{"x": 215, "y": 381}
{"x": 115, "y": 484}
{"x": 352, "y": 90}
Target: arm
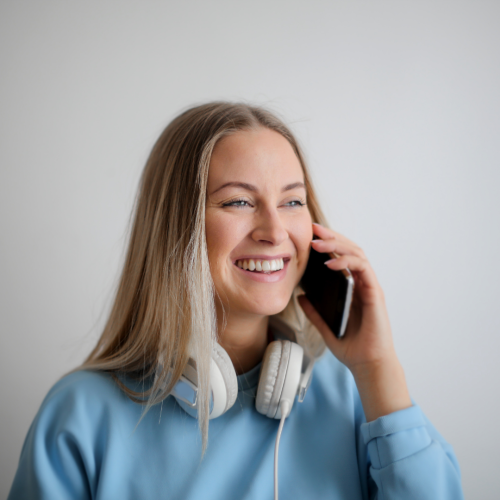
{"x": 52, "y": 464}
{"x": 408, "y": 459}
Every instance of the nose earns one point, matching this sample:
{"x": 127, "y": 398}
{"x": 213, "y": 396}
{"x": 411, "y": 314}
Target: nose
{"x": 269, "y": 228}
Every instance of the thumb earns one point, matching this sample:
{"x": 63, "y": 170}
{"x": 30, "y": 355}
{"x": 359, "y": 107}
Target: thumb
{"x": 331, "y": 341}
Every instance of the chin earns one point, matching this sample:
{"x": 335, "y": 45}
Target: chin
{"x": 270, "y": 305}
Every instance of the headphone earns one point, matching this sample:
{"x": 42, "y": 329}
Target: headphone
{"x": 286, "y": 372}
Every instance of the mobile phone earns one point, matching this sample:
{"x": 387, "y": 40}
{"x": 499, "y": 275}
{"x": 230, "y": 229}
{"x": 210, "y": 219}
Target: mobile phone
{"x": 330, "y": 292}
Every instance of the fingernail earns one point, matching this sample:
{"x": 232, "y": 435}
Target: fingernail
{"x": 330, "y": 261}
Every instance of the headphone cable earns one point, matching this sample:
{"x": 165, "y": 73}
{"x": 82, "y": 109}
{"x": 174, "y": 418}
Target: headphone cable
{"x": 284, "y": 409}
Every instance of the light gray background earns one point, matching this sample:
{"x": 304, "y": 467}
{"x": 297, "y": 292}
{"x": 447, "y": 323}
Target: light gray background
{"x": 397, "y": 106}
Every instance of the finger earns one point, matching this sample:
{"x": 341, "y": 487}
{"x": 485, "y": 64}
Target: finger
{"x": 356, "y": 265}
{"x": 337, "y": 246}
{"x": 323, "y": 232}
{"x": 326, "y": 233}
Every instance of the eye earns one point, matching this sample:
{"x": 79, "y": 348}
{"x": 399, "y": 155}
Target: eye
{"x": 295, "y": 203}
{"x": 240, "y": 202}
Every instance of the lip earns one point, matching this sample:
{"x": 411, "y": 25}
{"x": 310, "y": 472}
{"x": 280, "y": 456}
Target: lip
{"x": 263, "y": 277}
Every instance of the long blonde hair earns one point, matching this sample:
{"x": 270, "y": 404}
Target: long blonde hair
{"x": 164, "y": 307}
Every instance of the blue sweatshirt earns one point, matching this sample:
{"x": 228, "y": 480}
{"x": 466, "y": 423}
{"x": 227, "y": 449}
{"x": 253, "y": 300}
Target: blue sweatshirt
{"x": 86, "y": 443}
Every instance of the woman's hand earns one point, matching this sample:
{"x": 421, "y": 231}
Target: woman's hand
{"x": 368, "y": 337}
{"x": 367, "y": 348}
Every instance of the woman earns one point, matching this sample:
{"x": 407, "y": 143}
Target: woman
{"x": 222, "y": 233}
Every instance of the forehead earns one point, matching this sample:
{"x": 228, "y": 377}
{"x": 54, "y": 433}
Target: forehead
{"x": 254, "y": 155}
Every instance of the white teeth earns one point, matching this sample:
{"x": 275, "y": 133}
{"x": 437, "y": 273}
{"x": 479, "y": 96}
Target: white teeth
{"x": 259, "y": 265}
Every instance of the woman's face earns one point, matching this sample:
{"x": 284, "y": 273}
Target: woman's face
{"x": 258, "y": 226}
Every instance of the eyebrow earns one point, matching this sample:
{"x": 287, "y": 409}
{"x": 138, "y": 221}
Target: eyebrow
{"x": 251, "y": 187}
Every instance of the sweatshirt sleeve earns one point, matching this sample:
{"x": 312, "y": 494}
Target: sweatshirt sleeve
{"x": 57, "y": 459}
{"x": 410, "y": 459}
{"x": 49, "y": 470}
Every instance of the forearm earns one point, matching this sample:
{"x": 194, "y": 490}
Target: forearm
{"x": 382, "y": 388}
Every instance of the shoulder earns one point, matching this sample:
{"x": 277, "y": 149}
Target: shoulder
{"x": 333, "y": 388}
{"x": 69, "y": 435}
{"x": 81, "y": 400}
{"x": 82, "y": 386}
{"x": 330, "y": 373}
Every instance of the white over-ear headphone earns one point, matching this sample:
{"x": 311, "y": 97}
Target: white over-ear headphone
{"x": 285, "y": 372}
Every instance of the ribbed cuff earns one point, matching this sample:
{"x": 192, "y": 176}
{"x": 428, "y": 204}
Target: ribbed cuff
{"x": 395, "y": 436}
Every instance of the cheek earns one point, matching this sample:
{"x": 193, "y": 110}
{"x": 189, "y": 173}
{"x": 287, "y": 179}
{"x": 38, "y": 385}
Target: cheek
{"x": 302, "y": 235}
{"x": 216, "y": 235}
{"x": 223, "y": 235}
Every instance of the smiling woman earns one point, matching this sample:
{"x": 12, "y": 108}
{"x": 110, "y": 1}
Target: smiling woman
{"x": 209, "y": 320}
{"x": 256, "y": 214}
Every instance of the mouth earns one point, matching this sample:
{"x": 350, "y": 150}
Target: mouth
{"x": 262, "y": 266}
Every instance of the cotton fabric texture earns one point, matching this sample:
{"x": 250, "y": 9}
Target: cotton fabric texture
{"x": 85, "y": 443}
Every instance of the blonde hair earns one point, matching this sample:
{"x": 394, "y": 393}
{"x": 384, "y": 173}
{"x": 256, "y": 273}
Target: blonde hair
{"x": 164, "y": 310}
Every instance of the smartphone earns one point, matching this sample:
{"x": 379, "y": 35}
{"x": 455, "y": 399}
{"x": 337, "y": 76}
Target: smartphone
{"x": 330, "y": 292}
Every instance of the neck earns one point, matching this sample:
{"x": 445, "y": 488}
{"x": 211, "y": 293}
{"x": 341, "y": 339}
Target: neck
{"x": 244, "y": 338}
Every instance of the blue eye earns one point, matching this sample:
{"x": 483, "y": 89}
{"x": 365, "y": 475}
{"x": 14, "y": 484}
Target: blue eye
{"x": 236, "y": 203}
{"x": 295, "y": 203}
{"x": 241, "y": 203}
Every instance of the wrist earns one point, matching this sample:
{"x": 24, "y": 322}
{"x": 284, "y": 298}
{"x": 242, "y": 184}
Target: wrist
{"x": 382, "y": 387}
{"x": 376, "y": 368}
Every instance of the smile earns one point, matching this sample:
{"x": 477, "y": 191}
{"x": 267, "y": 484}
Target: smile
{"x": 261, "y": 266}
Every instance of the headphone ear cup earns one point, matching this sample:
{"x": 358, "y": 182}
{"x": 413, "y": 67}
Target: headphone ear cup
{"x": 279, "y": 377}
{"x": 272, "y": 377}
{"x": 223, "y": 382}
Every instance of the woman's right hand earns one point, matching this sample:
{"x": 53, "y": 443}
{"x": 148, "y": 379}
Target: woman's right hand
{"x": 367, "y": 348}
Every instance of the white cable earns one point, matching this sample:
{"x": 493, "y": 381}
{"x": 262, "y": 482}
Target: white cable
{"x": 284, "y": 409}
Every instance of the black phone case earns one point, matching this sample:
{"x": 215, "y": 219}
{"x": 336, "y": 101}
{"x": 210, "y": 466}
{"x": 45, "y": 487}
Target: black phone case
{"x": 325, "y": 289}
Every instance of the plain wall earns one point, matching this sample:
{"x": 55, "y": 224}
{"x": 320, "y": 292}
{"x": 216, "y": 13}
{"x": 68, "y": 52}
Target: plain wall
{"x": 397, "y": 106}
